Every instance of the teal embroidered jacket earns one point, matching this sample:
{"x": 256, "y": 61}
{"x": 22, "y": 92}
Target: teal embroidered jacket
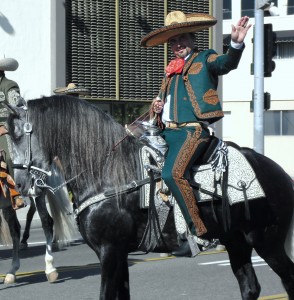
{"x": 194, "y": 92}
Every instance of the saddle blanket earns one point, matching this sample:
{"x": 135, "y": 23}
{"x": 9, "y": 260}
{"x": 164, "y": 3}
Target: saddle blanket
{"x": 242, "y": 181}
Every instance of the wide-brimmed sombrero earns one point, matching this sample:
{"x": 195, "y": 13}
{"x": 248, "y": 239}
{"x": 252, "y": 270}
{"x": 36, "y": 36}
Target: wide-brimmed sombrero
{"x": 8, "y": 64}
{"x": 72, "y": 89}
{"x": 176, "y": 22}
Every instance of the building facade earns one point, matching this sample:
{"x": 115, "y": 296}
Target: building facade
{"x": 97, "y": 44}
{"x": 238, "y": 124}
{"x": 92, "y": 43}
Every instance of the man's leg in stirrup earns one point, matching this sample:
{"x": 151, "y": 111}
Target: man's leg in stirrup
{"x": 190, "y": 245}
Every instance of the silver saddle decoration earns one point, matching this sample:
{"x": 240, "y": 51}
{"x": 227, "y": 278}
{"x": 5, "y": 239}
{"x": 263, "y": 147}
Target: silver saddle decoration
{"x": 242, "y": 180}
{"x": 152, "y": 156}
{"x": 151, "y": 160}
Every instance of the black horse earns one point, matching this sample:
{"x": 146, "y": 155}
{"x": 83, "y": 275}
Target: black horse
{"x": 97, "y": 156}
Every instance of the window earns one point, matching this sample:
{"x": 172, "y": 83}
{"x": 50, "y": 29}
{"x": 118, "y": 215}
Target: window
{"x": 284, "y": 44}
{"x": 227, "y": 9}
{"x": 124, "y": 112}
{"x": 248, "y": 7}
{"x": 284, "y": 50}
{"x": 290, "y": 10}
{"x": 279, "y": 122}
{"x": 288, "y": 123}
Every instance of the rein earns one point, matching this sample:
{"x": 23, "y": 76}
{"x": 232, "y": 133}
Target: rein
{"x": 144, "y": 116}
{"x": 112, "y": 192}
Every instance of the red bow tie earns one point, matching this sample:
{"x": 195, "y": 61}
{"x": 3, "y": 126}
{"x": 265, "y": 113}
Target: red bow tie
{"x": 175, "y": 66}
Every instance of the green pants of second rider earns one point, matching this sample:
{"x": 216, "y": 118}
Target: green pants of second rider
{"x": 185, "y": 146}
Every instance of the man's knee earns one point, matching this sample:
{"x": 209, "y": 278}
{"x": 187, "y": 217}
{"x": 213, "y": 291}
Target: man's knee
{"x": 168, "y": 178}
{"x": 171, "y": 178}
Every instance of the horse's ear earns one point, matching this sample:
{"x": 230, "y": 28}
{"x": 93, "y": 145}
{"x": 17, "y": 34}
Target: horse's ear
{"x": 11, "y": 108}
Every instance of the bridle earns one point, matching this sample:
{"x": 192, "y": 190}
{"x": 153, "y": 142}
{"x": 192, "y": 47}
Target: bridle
{"x": 39, "y": 176}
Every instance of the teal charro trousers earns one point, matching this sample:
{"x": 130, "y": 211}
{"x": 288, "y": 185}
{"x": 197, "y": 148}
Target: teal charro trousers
{"x": 185, "y": 146}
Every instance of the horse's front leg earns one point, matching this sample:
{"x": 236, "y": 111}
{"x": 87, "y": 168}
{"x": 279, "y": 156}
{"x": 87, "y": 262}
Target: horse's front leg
{"x": 14, "y": 228}
{"x": 26, "y": 233}
{"x": 114, "y": 273}
{"x": 47, "y": 224}
{"x": 112, "y": 252}
{"x": 240, "y": 257}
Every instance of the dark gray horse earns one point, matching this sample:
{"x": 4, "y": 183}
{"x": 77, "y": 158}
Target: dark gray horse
{"x": 10, "y": 230}
{"x": 84, "y": 139}
{"x": 29, "y": 218}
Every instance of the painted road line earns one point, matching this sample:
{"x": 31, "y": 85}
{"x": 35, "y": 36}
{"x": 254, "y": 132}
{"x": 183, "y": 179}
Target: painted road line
{"x": 274, "y": 297}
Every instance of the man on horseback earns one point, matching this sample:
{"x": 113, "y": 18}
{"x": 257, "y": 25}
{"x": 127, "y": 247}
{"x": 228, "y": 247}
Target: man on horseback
{"x": 188, "y": 102}
{"x": 9, "y": 92}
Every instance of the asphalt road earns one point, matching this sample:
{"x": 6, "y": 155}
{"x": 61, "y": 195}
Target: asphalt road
{"x": 152, "y": 277}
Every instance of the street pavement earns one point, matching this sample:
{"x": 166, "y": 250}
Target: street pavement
{"x": 162, "y": 277}
{"x": 208, "y": 276}
{"x": 152, "y": 277}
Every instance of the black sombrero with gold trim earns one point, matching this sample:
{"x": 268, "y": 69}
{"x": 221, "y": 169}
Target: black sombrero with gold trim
{"x": 176, "y": 22}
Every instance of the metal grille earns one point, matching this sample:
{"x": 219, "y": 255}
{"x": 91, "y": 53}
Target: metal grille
{"x": 140, "y": 69}
{"x": 91, "y": 60}
{"x": 91, "y": 45}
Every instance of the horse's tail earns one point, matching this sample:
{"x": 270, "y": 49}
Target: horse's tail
{"x": 289, "y": 242}
{"x": 65, "y": 228}
{"x": 5, "y": 237}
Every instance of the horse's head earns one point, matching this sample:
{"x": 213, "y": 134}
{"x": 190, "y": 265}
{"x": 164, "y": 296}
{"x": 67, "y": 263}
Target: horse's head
{"x": 30, "y": 167}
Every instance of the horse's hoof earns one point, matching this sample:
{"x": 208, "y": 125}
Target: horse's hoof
{"x": 23, "y": 246}
{"x": 220, "y": 248}
{"x": 52, "y": 277}
{"x": 165, "y": 255}
{"x": 9, "y": 279}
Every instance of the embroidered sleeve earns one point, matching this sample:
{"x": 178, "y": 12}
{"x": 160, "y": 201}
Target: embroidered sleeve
{"x": 212, "y": 58}
{"x": 13, "y": 96}
{"x": 223, "y": 64}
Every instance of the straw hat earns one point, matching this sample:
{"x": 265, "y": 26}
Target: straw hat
{"x": 72, "y": 89}
{"x": 176, "y": 22}
{"x": 8, "y": 64}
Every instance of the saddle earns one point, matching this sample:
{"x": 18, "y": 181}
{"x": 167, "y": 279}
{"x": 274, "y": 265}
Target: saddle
{"x": 225, "y": 173}
{"x": 222, "y": 172}
{"x": 8, "y": 194}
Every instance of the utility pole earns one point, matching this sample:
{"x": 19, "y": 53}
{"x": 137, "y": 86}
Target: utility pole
{"x": 263, "y": 37}
{"x": 260, "y": 5}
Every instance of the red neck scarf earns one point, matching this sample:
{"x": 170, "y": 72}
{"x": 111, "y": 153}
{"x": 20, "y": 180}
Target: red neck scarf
{"x": 175, "y": 66}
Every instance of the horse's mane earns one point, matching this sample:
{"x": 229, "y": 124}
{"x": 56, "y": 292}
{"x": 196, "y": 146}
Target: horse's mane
{"x": 85, "y": 139}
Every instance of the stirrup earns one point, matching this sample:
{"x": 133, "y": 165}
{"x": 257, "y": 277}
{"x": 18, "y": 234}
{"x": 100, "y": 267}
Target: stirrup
{"x": 205, "y": 244}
